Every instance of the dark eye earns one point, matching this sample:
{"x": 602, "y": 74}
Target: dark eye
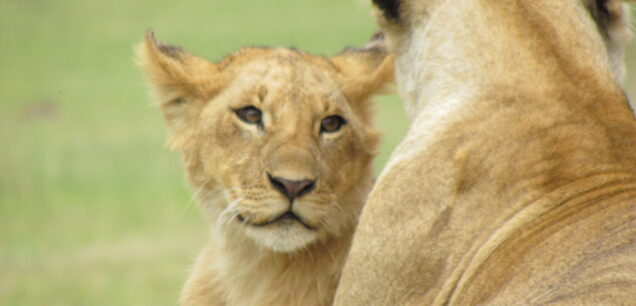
{"x": 331, "y": 124}
{"x": 250, "y": 114}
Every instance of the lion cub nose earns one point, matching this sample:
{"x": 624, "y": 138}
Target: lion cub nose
{"x": 291, "y": 189}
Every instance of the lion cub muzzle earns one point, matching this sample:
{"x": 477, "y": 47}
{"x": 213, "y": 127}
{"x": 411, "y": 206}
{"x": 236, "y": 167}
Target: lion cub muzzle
{"x": 291, "y": 189}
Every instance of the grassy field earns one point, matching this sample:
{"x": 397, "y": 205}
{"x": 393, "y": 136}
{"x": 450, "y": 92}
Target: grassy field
{"x": 93, "y": 209}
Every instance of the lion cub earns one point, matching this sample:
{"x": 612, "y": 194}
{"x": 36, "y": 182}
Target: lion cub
{"x": 278, "y": 145}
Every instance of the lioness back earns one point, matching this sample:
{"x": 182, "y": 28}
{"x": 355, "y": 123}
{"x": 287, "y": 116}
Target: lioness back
{"x": 516, "y": 183}
{"x": 278, "y": 145}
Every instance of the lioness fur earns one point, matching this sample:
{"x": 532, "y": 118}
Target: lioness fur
{"x": 278, "y": 145}
{"x": 516, "y": 183}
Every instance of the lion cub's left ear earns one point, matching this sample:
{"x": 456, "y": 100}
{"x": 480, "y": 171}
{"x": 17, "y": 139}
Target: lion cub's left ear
{"x": 182, "y": 81}
{"x": 365, "y": 72}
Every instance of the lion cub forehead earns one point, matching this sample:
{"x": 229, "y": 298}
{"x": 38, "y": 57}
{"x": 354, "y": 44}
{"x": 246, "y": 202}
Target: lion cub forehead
{"x": 252, "y": 54}
{"x": 283, "y": 72}
{"x": 279, "y": 62}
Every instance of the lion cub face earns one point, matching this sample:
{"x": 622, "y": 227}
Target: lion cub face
{"x": 276, "y": 142}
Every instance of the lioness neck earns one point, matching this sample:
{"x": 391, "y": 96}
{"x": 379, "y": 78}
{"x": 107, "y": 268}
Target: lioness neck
{"x": 565, "y": 84}
{"x": 525, "y": 53}
{"x": 504, "y": 142}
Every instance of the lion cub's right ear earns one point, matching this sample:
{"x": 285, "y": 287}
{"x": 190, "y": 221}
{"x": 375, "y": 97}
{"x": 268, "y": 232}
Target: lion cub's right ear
{"x": 182, "y": 82}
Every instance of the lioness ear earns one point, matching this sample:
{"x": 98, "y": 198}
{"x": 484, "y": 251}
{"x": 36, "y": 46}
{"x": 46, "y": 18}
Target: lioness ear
{"x": 613, "y": 21}
{"x": 390, "y": 8}
{"x": 181, "y": 80}
{"x": 365, "y": 72}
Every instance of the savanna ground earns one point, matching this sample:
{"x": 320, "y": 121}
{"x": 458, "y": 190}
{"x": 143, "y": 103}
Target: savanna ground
{"x": 93, "y": 209}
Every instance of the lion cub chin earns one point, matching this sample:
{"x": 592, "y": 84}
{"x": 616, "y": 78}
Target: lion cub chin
{"x": 278, "y": 146}
{"x": 284, "y": 237}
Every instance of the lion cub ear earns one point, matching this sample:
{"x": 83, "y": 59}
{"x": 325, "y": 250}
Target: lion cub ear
{"x": 181, "y": 81}
{"x": 366, "y": 71}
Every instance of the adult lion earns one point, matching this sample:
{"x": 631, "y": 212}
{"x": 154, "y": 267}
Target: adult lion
{"x": 516, "y": 183}
{"x": 278, "y": 144}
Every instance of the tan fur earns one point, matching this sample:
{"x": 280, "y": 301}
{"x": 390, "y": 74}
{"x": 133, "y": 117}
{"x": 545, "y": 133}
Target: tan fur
{"x": 228, "y": 162}
{"x": 516, "y": 184}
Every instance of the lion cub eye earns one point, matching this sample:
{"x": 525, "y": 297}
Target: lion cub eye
{"x": 250, "y": 114}
{"x": 331, "y": 124}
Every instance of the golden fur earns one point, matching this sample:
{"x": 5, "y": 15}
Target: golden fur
{"x": 516, "y": 183}
{"x": 267, "y": 248}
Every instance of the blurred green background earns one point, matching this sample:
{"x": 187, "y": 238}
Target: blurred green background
{"x": 93, "y": 209}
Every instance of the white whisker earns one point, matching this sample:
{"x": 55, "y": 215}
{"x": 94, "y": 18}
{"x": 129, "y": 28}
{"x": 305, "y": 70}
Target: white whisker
{"x": 193, "y": 198}
{"x": 228, "y": 214}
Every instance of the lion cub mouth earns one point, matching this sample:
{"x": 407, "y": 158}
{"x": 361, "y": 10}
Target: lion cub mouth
{"x": 286, "y": 218}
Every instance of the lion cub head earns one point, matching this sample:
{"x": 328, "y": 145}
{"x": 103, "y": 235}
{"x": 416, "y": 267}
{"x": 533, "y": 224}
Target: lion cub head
{"x": 277, "y": 143}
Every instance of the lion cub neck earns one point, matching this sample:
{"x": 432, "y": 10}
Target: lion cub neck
{"x": 240, "y": 273}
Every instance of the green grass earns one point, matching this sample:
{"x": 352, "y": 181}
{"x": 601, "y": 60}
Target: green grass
{"x": 93, "y": 209}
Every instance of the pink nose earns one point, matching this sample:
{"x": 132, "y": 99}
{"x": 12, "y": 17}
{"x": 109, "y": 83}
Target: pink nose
{"x": 291, "y": 189}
